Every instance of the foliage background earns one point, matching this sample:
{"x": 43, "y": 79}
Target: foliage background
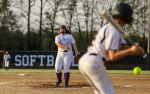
{"x": 80, "y": 16}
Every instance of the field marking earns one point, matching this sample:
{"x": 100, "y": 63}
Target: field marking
{"x": 115, "y": 85}
{"x": 7, "y": 83}
{"x": 122, "y": 85}
{"x": 62, "y": 88}
{"x": 47, "y": 88}
{"x": 14, "y": 87}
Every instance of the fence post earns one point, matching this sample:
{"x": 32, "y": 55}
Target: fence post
{"x": 3, "y": 59}
{"x": 148, "y": 46}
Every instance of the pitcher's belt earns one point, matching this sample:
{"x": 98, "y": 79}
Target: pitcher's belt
{"x": 65, "y": 51}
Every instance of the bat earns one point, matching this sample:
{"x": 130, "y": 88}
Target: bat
{"x": 118, "y": 27}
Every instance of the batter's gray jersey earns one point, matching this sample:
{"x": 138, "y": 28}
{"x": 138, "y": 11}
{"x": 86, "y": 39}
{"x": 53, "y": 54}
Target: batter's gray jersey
{"x": 107, "y": 38}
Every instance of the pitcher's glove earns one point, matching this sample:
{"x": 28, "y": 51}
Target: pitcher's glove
{"x": 77, "y": 57}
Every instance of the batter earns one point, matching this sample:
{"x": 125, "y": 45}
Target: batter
{"x": 64, "y": 55}
{"x": 105, "y": 47}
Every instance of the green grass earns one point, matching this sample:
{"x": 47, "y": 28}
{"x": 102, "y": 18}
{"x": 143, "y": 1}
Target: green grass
{"x": 144, "y": 72}
{"x": 33, "y": 71}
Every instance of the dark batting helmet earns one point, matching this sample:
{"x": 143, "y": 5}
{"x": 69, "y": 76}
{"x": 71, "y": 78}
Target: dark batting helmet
{"x": 124, "y": 11}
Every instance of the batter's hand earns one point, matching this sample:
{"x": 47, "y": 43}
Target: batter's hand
{"x": 137, "y": 50}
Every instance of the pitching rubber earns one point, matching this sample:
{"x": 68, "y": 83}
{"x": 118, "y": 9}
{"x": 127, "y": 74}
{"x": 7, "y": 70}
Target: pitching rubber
{"x": 23, "y": 74}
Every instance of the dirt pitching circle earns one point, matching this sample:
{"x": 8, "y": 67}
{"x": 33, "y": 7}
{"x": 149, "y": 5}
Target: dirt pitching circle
{"x": 39, "y": 83}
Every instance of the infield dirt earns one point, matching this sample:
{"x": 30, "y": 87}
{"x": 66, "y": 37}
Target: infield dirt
{"x": 43, "y": 83}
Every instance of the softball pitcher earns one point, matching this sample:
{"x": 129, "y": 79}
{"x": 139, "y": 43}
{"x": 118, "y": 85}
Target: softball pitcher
{"x": 106, "y": 47}
{"x": 64, "y": 55}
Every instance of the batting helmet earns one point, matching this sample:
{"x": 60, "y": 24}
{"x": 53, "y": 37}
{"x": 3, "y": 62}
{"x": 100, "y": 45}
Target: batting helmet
{"x": 124, "y": 11}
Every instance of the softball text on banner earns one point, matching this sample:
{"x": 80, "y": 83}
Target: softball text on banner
{"x": 46, "y": 60}
{"x": 31, "y": 59}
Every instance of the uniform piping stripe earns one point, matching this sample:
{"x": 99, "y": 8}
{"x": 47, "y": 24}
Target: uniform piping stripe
{"x": 91, "y": 82}
{"x": 104, "y": 35}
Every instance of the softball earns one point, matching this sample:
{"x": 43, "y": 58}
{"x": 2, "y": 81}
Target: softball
{"x": 137, "y": 70}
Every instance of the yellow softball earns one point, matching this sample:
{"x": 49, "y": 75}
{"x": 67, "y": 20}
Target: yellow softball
{"x": 137, "y": 70}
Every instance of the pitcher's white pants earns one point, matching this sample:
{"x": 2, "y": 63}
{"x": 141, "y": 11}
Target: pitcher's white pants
{"x": 64, "y": 60}
{"x": 92, "y": 67}
{"x": 7, "y": 63}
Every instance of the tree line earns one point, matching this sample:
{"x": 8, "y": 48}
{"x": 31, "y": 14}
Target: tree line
{"x": 80, "y": 16}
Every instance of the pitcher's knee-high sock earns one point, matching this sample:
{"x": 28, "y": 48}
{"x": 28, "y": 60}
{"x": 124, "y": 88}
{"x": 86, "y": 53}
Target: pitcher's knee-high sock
{"x": 59, "y": 75}
{"x": 66, "y": 76}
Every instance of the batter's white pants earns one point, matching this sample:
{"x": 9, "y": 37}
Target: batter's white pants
{"x": 92, "y": 67}
{"x": 7, "y": 63}
{"x": 64, "y": 60}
